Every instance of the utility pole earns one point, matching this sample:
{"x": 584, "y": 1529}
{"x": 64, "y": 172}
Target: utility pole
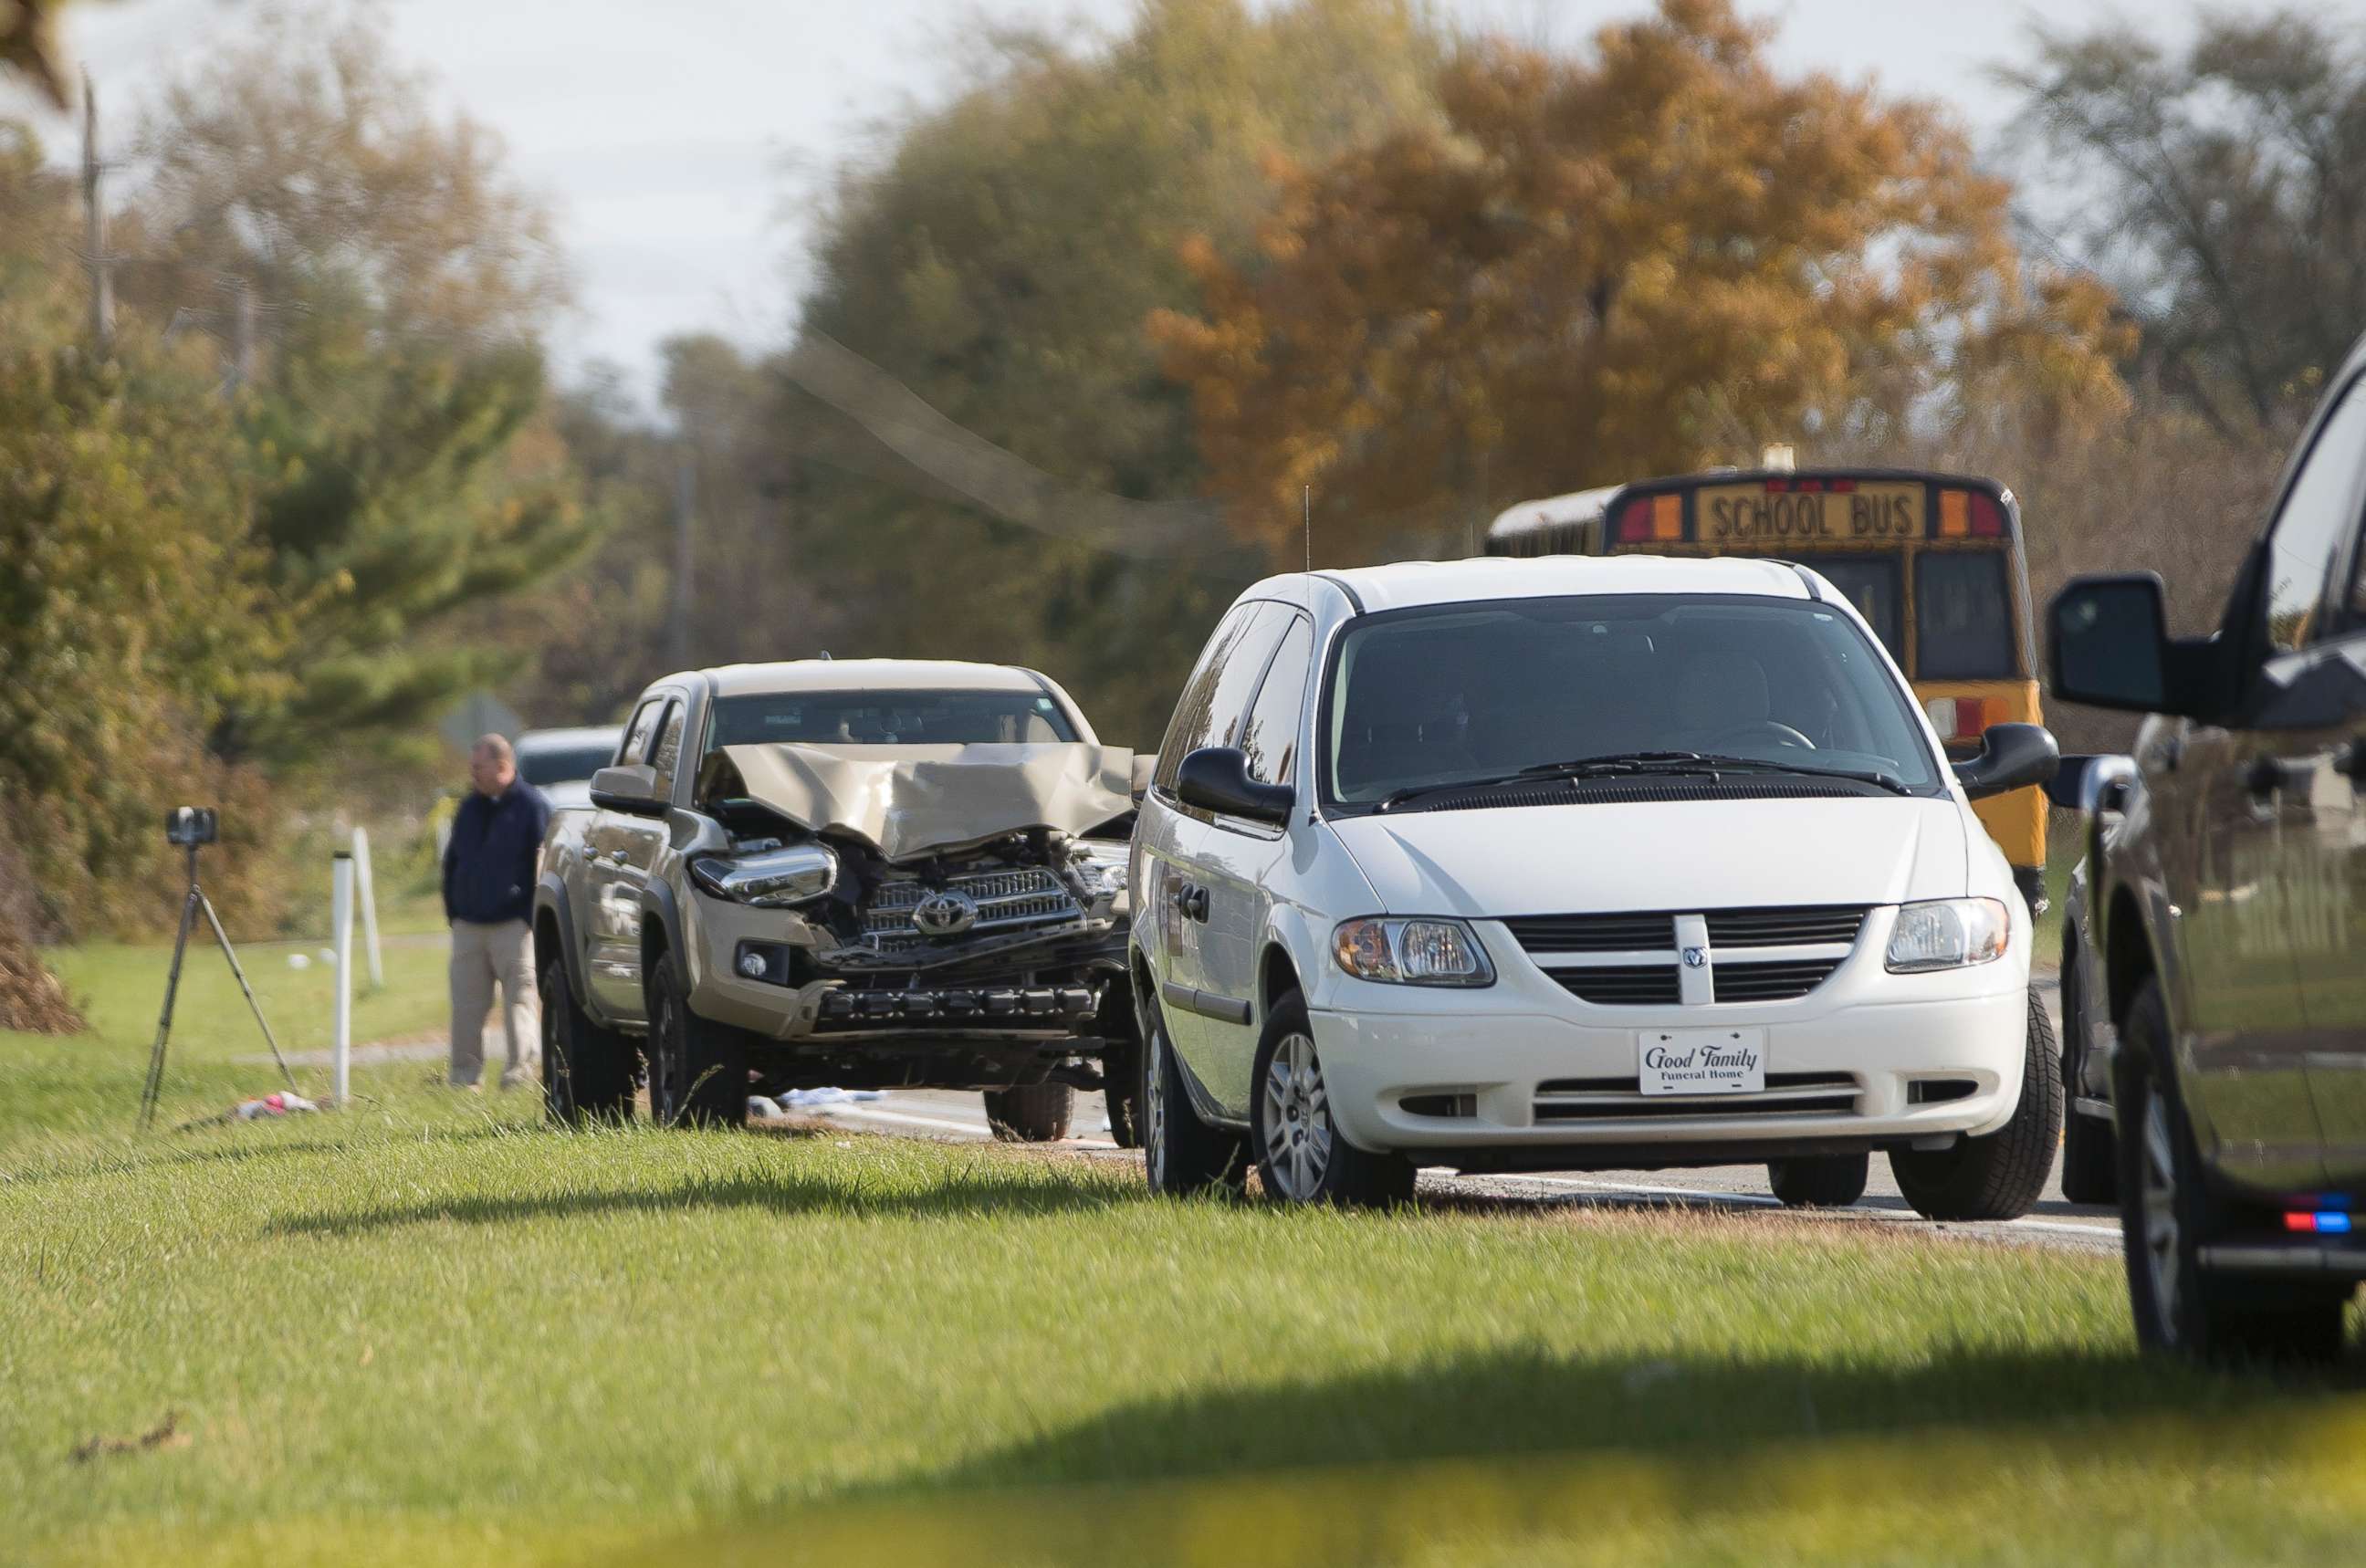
{"x": 102, "y": 280}
{"x": 685, "y": 482}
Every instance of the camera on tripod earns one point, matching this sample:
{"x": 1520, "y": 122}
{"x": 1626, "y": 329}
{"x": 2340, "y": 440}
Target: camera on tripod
{"x": 192, "y": 825}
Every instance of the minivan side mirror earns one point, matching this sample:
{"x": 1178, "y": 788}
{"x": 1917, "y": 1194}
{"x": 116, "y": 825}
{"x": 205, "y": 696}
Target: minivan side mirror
{"x": 2012, "y": 756}
{"x": 631, "y": 788}
{"x": 1216, "y": 778}
{"x": 2109, "y": 643}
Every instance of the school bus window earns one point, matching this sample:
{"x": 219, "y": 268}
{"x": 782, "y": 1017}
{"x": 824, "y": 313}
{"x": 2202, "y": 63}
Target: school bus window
{"x": 1869, "y": 582}
{"x": 1962, "y": 616}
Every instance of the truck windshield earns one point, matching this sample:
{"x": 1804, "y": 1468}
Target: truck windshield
{"x": 1441, "y": 694}
{"x": 890, "y": 719}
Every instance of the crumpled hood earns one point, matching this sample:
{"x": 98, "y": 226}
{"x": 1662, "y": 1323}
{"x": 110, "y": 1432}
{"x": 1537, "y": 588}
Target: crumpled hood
{"x": 909, "y": 800}
{"x": 1551, "y": 860}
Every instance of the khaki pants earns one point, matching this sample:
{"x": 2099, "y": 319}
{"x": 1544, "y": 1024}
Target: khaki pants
{"x": 482, "y": 956}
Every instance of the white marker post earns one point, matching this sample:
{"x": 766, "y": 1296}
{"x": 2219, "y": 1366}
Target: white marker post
{"x": 340, "y": 915}
{"x": 365, "y": 885}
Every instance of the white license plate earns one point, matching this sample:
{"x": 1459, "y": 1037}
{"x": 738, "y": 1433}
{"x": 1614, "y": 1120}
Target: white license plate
{"x": 1702, "y": 1061}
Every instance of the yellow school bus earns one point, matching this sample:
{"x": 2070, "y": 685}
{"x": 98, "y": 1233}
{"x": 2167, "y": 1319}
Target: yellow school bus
{"x": 1933, "y": 562}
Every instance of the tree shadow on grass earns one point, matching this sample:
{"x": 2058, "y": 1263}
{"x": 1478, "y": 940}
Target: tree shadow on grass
{"x": 1691, "y": 1408}
{"x": 1028, "y": 1192}
{"x": 154, "y": 1154}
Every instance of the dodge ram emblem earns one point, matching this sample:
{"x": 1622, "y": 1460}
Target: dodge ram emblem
{"x": 944, "y": 913}
{"x": 1695, "y": 957}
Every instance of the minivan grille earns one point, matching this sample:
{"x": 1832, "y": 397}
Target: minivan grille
{"x": 1772, "y": 982}
{"x": 1654, "y": 979}
{"x": 1623, "y": 985}
{"x": 1785, "y": 927}
{"x": 1594, "y": 933}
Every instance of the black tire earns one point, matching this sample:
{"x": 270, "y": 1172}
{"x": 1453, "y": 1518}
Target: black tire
{"x": 2182, "y": 1308}
{"x": 2001, "y": 1176}
{"x": 587, "y": 1071}
{"x": 2091, "y": 1157}
{"x": 698, "y": 1069}
{"x": 1301, "y": 1155}
{"x": 1182, "y": 1155}
{"x": 1040, "y": 1113}
{"x": 1820, "y": 1181}
{"x": 1120, "y": 1066}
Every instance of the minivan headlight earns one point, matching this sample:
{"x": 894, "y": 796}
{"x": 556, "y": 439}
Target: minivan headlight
{"x": 1421, "y": 951}
{"x": 769, "y": 879}
{"x": 1948, "y": 933}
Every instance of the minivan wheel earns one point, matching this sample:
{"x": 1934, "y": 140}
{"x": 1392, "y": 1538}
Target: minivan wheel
{"x": 1181, "y": 1154}
{"x": 2168, "y": 1216}
{"x": 1040, "y": 1113}
{"x": 2001, "y": 1176}
{"x": 698, "y": 1069}
{"x": 1820, "y": 1181}
{"x": 587, "y": 1071}
{"x": 2089, "y": 1159}
{"x": 1300, "y": 1156}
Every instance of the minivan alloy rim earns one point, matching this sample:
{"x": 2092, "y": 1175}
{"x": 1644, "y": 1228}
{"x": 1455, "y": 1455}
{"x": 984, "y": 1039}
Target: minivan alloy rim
{"x": 1297, "y": 1119}
{"x": 2160, "y": 1227}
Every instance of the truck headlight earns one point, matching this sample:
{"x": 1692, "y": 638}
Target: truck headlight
{"x": 1422, "y": 950}
{"x": 1102, "y": 864}
{"x": 769, "y": 879}
{"x": 1948, "y": 933}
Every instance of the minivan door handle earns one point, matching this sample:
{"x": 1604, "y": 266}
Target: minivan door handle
{"x": 1192, "y": 902}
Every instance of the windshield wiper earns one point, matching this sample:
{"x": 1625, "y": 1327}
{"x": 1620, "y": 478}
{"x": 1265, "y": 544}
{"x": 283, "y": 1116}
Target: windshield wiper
{"x": 1879, "y": 780}
{"x": 1613, "y": 764}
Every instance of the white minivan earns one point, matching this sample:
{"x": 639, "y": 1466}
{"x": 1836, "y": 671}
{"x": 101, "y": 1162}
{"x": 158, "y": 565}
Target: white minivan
{"x": 1579, "y": 864}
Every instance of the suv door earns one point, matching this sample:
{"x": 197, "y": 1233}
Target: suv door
{"x": 1235, "y": 863}
{"x": 2322, "y": 762}
{"x": 1173, "y": 836}
{"x": 2263, "y": 927}
{"x": 619, "y": 848}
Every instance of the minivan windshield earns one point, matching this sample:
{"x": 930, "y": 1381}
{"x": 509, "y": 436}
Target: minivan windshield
{"x": 1477, "y": 691}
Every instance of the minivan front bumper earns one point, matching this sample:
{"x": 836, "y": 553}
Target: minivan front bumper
{"x": 1869, "y": 1059}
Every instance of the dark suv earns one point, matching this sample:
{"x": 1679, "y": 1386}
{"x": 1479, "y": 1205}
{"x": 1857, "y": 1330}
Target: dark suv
{"x": 2230, "y": 919}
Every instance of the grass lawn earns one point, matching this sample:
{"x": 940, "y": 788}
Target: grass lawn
{"x": 429, "y": 1330}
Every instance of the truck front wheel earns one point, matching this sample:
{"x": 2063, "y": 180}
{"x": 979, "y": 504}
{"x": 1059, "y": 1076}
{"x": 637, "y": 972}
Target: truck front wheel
{"x": 698, "y": 1069}
{"x": 587, "y": 1071}
{"x": 1040, "y": 1113}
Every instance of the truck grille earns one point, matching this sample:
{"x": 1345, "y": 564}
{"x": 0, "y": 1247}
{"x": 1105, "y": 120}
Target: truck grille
{"x": 1007, "y": 900}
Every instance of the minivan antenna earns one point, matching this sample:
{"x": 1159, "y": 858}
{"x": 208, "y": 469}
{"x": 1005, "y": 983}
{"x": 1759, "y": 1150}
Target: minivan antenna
{"x": 1306, "y": 522}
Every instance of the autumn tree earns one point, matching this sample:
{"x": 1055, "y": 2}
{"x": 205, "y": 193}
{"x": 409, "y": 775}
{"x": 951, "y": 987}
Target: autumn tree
{"x": 1600, "y": 268}
{"x": 997, "y": 258}
{"x": 2223, "y": 187}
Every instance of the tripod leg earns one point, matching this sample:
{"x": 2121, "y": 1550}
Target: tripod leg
{"x": 248, "y": 991}
{"x": 155, "y": 1085}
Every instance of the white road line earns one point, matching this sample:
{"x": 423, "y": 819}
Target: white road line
{"x": 1765, "y": 1201}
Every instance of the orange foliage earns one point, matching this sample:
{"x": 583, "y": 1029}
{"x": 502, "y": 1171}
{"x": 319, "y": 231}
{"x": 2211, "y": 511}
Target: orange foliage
{"x": 1598, "y": 270}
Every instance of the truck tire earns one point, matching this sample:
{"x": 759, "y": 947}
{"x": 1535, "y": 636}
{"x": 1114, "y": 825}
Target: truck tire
{"x": 1822, "y": 1181}
{"x": 2090, "y": 1159}
{"x": 1301, "y": 1155}
{"x": 587, "y": 1071}
{"x": 1121, "y": 1065}
{"x": 698, "y": 1069}
{"x": 1040, "y": 1113}
{"x": 2167, "y": 1215}
{"x": 1182, "y": 1155}
{"x": 2001, "y": 1176}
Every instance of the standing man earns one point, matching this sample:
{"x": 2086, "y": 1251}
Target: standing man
{"x": 489, "y": 897}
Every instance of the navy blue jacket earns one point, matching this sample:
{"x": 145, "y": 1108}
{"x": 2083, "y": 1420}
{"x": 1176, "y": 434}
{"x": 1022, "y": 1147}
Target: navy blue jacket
{"x": 489, "y": 864}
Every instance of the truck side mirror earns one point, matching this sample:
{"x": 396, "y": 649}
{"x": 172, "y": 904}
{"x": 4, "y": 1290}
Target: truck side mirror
{"x": 632, "y": 789}
{"x": 1216, "y": 778}
{"x": 2012, "y": 756}
{"x": 2109, "y": 643}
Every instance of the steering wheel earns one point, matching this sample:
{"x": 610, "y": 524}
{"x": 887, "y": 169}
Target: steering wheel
{"x": 1760, "y": 729}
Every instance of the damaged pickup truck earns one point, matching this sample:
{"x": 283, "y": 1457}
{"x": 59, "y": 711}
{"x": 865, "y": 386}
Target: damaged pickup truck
{"x": 867, "y": 873}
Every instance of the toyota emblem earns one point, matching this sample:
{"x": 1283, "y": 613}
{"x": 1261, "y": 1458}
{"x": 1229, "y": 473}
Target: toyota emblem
{"x": 1696, "y": 957}
{"x": 944, "y": 913}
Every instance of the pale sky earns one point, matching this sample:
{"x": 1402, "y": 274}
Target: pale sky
{"x": 677, "y": 140}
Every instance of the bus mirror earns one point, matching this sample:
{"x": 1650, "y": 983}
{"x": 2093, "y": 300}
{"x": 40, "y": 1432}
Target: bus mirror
{"x": 2012, "y": 756}
{"x": 2109, "y": 643}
